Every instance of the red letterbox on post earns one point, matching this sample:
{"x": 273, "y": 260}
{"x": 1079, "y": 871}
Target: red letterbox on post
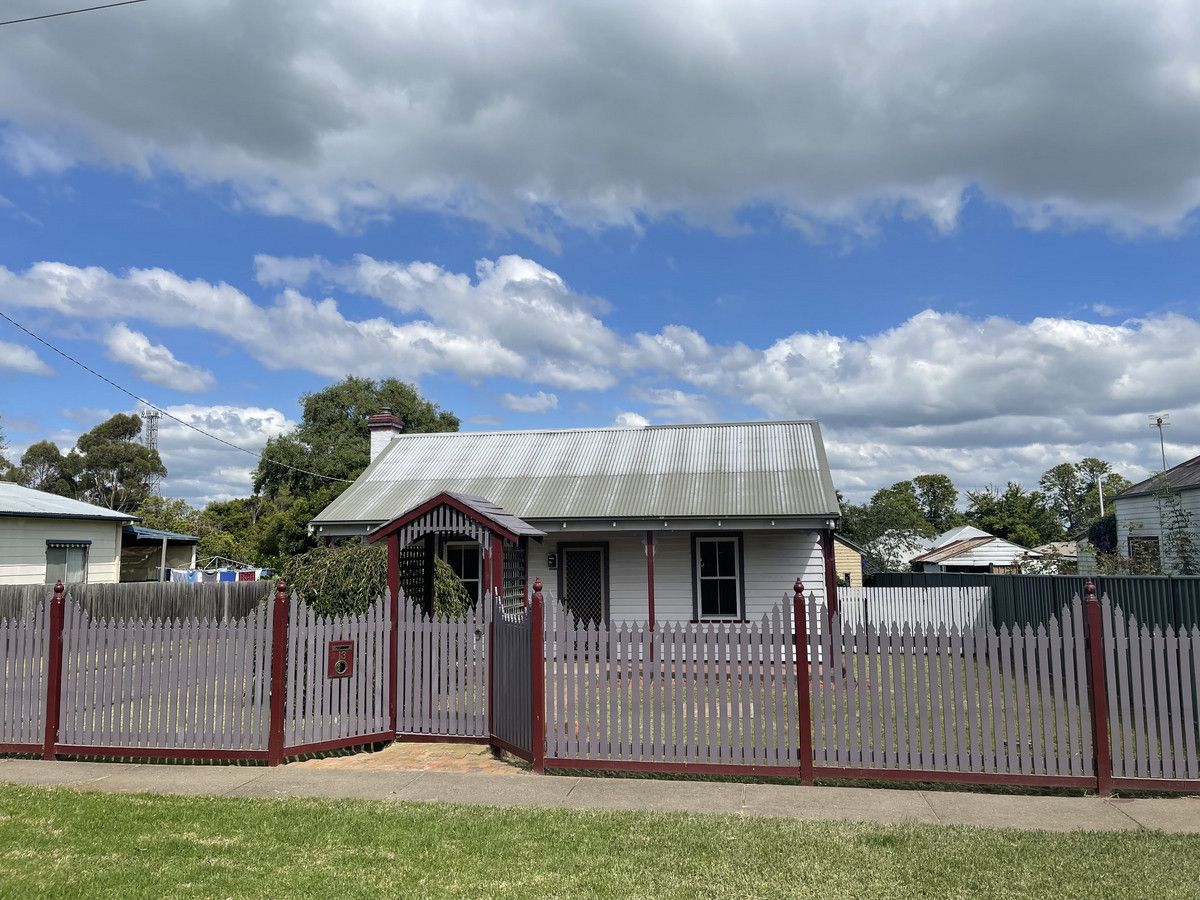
{"x": 340, "y": 659}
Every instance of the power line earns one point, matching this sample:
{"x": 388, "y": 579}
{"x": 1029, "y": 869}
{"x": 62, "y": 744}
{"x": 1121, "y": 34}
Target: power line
{"x": 159, "y": 409}
{"x": 70, "y": 12}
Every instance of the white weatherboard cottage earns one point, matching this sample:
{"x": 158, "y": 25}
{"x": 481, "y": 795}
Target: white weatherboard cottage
{"x": 1140, "y": 513}
{"x": 46, "y": 538}
{"x": 678, "y": 523}
{"x": 969, "y": 549}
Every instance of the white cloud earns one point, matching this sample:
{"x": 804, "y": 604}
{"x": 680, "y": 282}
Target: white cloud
{"x": 630, "y": 420}
{"x": 154, "y": 362}
{"x": 530, "y": 403}
{"x": 529, "y": 115}
{"x": 989, "y": 399}
{"x": 201, "y": 469}
{"x": 21, "y": 359}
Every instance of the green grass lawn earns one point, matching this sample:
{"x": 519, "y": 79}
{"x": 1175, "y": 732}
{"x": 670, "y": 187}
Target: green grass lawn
{"x": 59, "y": 842}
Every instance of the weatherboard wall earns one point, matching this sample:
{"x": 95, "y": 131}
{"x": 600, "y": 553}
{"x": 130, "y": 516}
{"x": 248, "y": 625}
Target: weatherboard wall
{"x": 1140, "y": 517}
{"x": 772, "y": 561}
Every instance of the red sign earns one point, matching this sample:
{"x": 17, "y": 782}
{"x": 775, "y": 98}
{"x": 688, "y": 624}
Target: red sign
{"x": 340, "y": 659}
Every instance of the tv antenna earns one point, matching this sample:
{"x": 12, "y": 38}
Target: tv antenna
{"x": 1160, "y": 421}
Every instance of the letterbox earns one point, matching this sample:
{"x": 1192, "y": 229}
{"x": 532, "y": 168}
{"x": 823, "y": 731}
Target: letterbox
{"x": 341, "y": 659}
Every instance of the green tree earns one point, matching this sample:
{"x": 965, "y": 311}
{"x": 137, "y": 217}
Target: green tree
{"x": 44, "y": 468}
{"x": 1072, "y": 490}
{"x": 937, "y": 498}
{"x": 111, "y": 467}
{"x": 8, "y": 472}
{"x": 1017, "y": 515}
{"x": 332, "y": 440}
{"x": 168, "y": 514}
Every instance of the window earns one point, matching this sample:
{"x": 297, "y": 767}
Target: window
{"x": 66, "y": 561}
{"x": 718, "y": 577}
{"x": 1144, "y": 550}
{"x": 463, "y": 558}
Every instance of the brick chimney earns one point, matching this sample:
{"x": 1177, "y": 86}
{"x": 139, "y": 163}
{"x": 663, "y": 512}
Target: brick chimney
{"x": 384, "y": 426}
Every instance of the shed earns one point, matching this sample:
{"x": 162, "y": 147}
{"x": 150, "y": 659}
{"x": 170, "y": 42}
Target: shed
{"x": 147, "y": 553}
{"x": 46, "y": 538}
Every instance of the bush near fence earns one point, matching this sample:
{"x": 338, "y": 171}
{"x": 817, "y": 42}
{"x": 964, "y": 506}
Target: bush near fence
{"x": 1160, "y": 600}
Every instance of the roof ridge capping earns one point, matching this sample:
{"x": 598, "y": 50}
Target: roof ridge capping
{"x": 584, "y": 428}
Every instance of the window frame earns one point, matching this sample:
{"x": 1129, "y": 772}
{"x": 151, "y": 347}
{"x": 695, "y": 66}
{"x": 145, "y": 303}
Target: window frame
{"x": 456, "y": 543}
{"x": 740, "y": 580}
{"x": 68, "y": 544}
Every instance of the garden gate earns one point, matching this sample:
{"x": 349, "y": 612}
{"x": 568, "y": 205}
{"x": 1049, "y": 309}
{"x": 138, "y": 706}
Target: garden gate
{"x": 513, "y": 702}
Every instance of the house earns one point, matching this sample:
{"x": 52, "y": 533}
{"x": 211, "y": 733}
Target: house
{"x": 673, "y": 523}
{"x": 848, "y": 557}
{"x": 969, "y": 549}
{"x": 46, "y": 538}
{"x": 1140, "y": 514}
{"x": 147, "y": 553}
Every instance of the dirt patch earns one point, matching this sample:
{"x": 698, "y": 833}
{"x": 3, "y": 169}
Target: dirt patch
{"x": 415, "y": 757}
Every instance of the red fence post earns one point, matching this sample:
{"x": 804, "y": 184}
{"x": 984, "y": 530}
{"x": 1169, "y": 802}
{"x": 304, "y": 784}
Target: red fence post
{"x": 537, "y": 645}
{"x": 54, "y": 671}
{"x": 1098, "y": 688}
{"x": 279, "y": 629}
{"x": 803, "y": 700}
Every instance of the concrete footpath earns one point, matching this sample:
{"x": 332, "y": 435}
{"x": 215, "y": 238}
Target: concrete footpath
{"x": 1178, "y": 815}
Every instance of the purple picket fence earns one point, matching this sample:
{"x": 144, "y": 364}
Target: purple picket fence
{"x": 23, "y": 676}
{"x": 196, "y": 686}
{"x": 327, "y": 707}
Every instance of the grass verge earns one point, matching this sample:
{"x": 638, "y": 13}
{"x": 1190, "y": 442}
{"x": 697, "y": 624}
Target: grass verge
{"x": 61, "y": 842}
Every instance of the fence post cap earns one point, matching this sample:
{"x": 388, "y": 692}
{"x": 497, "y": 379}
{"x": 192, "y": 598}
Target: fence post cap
{"x": 537, "y": 585}
{"x": 798, "y": 587}
{"x": 58, "y": 588}
{"x": 281, "y": 586}
{"x": 1089, "y": 590}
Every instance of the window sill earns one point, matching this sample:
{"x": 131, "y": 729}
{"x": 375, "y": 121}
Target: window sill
{"x": 720, "y": 621}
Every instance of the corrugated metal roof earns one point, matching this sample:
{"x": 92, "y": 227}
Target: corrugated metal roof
{"x": 497, "y": 514}
{"x": 1182, "y": 477}
{"x": 953, "y": 549}
{"x": 675, "y": 471}
{"x": 138, "y": 532}
{"x": 16, "y": 500}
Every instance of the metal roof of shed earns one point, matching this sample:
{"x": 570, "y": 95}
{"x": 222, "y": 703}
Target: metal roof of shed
{"x": 141, "y": 533}
{"x": 746, "y": 469}
{"x": 17, "y": 500}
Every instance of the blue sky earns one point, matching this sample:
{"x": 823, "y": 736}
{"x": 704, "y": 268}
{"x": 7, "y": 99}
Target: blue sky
{"x": 956, "y": 265}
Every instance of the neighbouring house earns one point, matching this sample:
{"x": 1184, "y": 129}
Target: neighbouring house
{"x": 147, "y": 554}
{"x": 1139, "y": 511}
{"x": 970, "y": 549}
{"x": 673, "y": 523}
{"x": 46, "y": 538}
{"x": 848, "y": 557}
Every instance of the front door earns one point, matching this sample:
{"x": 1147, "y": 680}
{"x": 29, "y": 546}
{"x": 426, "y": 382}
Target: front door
{"x": 583, "y": 581}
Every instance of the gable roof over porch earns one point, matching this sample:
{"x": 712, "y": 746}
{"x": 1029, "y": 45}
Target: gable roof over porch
{"x": 453, "y": 512}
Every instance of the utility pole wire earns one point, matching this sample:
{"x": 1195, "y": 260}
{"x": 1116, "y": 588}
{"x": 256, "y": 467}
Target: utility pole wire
{"x": 185, "y": 424}
{"x": 70, "y": 12}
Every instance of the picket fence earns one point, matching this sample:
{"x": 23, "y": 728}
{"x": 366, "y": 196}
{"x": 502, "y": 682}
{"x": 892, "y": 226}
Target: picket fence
{"x": 23, "y": 676}
{"x": 144, "y": 599}
{"x": 683, "y": 693}
{"x": 443, "y": 673}
{"x": 1153, "y": 690}
{"x": 931, "y": 699}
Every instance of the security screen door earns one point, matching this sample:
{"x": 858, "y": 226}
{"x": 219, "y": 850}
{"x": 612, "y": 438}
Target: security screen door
{"x": 585, "y": 582}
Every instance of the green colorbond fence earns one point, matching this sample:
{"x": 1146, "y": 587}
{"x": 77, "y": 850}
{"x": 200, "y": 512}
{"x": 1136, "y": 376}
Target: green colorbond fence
{"x": 1155, "y": 599}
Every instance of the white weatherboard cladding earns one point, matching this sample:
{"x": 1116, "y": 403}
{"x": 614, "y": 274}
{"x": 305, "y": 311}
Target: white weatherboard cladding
{"x": 23, "y": 547}
{"x": 1140, "y": 517}
{"x": 764, "y": 469}
{"x": 772, "y": 562}
{"x": 997, "y": 552}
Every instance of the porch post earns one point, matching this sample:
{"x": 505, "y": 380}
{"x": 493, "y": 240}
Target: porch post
{"x": 537, "y": 694}
{"x": 498, "y": 565}
{"x": 163, "y": 575}
{"x": 1097, "y": 689}
{"x": 803, "y": 700}
{"x": 650, "y": 578}
{"x": 830, "y": 565}
{"x": 393, "y": 577}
